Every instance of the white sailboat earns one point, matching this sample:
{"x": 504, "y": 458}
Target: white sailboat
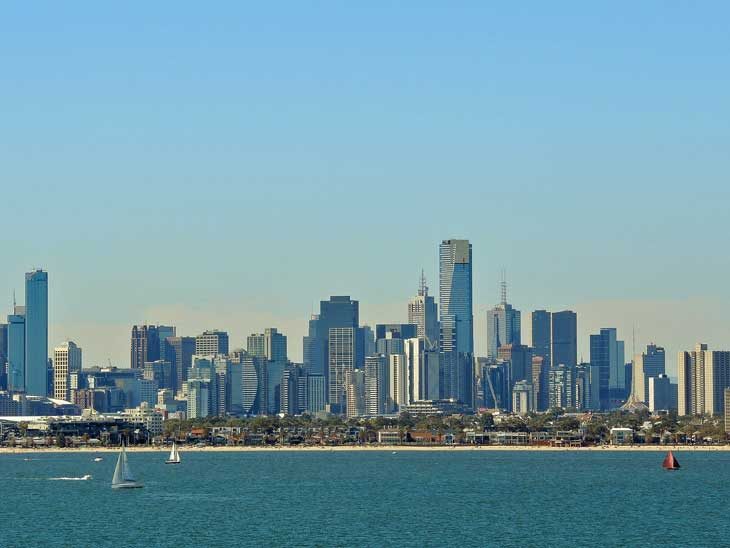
{"x": 174, "y": 457}
{"x": 123, "y": 478}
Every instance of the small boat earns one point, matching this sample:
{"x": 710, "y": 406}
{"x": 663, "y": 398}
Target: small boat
{"x": 98, "y": 459}
{"x": 670, "y": 462}
{"x": 174, "y": 457}
{"x": 123, "y": 478}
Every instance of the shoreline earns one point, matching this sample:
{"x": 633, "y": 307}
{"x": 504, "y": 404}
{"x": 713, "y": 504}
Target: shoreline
{"x": 370, "y": 449}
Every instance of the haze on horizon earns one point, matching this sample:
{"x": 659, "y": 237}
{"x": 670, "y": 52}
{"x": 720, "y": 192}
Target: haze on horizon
{"x": 231, "y": 167}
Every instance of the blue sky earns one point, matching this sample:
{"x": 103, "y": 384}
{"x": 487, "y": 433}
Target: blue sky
{"x": 230, "y": 165}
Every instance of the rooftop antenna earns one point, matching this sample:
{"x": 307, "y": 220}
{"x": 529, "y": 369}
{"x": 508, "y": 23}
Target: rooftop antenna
{"x": 423, "y": 288}
{"x": 503, "y": 287}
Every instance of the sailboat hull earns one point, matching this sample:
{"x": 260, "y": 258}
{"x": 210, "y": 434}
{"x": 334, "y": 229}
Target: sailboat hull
{"x": 129, "y": 485}
{"x": 172, "y": 462}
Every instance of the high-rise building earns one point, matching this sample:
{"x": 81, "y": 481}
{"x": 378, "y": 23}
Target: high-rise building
{"x": 523, "y": 398}
{"x": 540, "y": 382}
{"x": 503, "y": 325}
{"x": 423, "y": 370}
{"x": 727, "y": 410}
{"x": 519, "y": 358}
{"x": 376, "y": 385}
{"x": 16, "y": 350}
{"x": 342, "y": 347}
{"x": 292, "y": 401}
{"x": 660, "y": 393}
{"x": 399, "y": 381}
{"x": 355, "y": 393}
{"x": 564, "y": 332}
{"x": 179, "y": 351}
{"x": 703, "y": 375}
{"x": 561, "y": 387}
{"x": 254, "y": 384}
{"x": 145, "y": 345}
{"x": 3, "y": 356}
{"x": 270, "y": 344}
{"x": 496, "y": 386}
{"x": 582, "y": 394}
{"x": 541, "y": 335}
{"x": 66, "y": 360}
{"x": 159, "y": 371}
{"x": 316, "y": 393}
{"x": 210, "y": 343}
{"x": 455, "y": 296}
{"x": 607, "y": 353}
{"x": 395, "y": 331}
{"x": 423, "y": 312}
{"x": 36, "y": 333}
{"x": 651, "y": 363}
{"x": 199, "y": 396}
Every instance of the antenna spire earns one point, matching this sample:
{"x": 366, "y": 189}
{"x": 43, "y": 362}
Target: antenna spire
{"x": 422, "y": 288}
{"x": 503, "y": 287}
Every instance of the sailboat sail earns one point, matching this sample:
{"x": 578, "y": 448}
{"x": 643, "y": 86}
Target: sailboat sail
{"x": 118, "y": 478}
{"x": 174, "y": 457}
{"x": 126, "y": 472}
{"x": 670, "y": 462}
{"x": 123, "y": 477}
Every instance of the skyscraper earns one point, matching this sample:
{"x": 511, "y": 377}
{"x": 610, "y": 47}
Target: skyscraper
{"x": 607, "y": 353}
{"x": 457, "y": 319}
{"x": 3, "y": 355}
{"x": 270, "y": 345}
{"x": 503, "y": 325}
{"x": 702, "y": 376}
{"x": 423, "y": 312}
{"x": 36, "y": 333}
{"x": 145, "y": 345}
{"x": 564, "y": 339}
{"x": 541, "y": 335}
{"x": 210, "y": 343}
{"x": 16, "y": 350}
{"x": 342, "y": 347}
{"x": 179, "y": 351}
{"x": 648, "y": 364}
{"x": 376, "y": 384}
{"x": 66, "y": 360}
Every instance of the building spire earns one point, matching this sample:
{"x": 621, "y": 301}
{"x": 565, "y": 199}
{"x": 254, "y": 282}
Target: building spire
{"x": 503, "y": 287}
{"x": 422, "y": 288}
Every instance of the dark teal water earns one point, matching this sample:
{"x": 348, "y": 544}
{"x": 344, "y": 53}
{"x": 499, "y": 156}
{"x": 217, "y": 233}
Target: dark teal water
{"x": 471, "y": 498}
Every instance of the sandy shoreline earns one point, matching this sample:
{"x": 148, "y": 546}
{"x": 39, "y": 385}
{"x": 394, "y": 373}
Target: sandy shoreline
{"x": 380, "y": 448}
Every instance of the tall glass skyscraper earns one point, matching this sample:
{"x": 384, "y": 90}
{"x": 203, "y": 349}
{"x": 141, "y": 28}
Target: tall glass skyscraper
{"x": 36, "y": 333}
{"x": 503, "y": 326}
{"x": 457, "y": 320}
{"x": 16, "y": 350}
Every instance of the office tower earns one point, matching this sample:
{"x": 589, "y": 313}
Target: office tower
{"x": 651, "y": 363}
{"x": 145, "y": 345}
{"x": 210, "y": 343}
{"x": 198, "y": 398}
{"x": 727, "y": 410}
{"x": 270, "y": 344}
{"x": 66, "y": 360}
{"x": 179, "y": 351}
{"x": 254, "y": 384}
{"x": 159, "y": 371}
{"x": 36, "y": 333}
{"x": 423, "y": 312}
{"x": 582, "y": 393}
{"x": 3, "y": 356}
{"x": 540, "y": 382}
{"x": 607, "y": 354}
{"x": 398, "y": 380}
{"x": 503, "y": 325}
{"x": 274, "y": 375}
{"x": 561, "y": 385}
{"x": 16, "y": 350}
{"x": 355, "y": 393}
{"x": 342, "y": 352}
{"x": 703, "y": 375}
{"x": 164, "y": 332}
{"x": 316, "y": 393}
{"x": 564, "y": 330}
{"x": 368, "y": 340}
{"x": 660, "y": 393}
{"x": 456, "y": 339}
{"x": 455, "y": 296}
{"x": 395, "y": 331}
{"x": 337, "y": 312}
{"x": 541, "y": 321}
{"x": 522, "y": 398}
{"x": 496, "y": 387}
{"x": 293, "y": 401}
{"x": 376, "y": 385}
{"x": 519, "y": 358}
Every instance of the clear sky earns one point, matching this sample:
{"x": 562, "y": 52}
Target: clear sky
{"x": 230, "y": 164}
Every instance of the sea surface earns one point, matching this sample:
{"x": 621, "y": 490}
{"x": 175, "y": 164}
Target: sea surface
{"x": 338, "y": 498}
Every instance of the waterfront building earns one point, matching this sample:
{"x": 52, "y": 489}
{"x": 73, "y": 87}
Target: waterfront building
{"x": 650, "y": 363}
{"x": 36, "y": 333}
{"x": 145, "y": 346}
{"x": 423, "y": 312}
{"x": 66, "y": 360}
{"x": 522, "y": 398}
{"x": 503, "y": 326}
{"x": 703, "y": 376}
{"x": 210, "y": 343}
{"x": 660, "y": 393}
{"x": 16, "y": 350}
{"x": 608, "y": 354}
{"x": 342, "y": 352}
{"x": 564, "y": 333}
{"x": 541, "y": 335}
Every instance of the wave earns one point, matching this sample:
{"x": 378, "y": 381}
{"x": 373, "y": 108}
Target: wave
{"x": 82, "y": 478}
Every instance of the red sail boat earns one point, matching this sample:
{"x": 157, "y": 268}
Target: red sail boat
{"x": 670, "y": 462}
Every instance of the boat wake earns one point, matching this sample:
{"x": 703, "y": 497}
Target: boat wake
{"x": 82, "y": 478}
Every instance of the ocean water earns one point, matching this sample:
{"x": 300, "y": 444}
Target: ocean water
{"x": 337, "y": 498}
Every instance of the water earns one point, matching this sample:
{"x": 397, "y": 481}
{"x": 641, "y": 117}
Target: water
{"x": 465, "y": 498}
